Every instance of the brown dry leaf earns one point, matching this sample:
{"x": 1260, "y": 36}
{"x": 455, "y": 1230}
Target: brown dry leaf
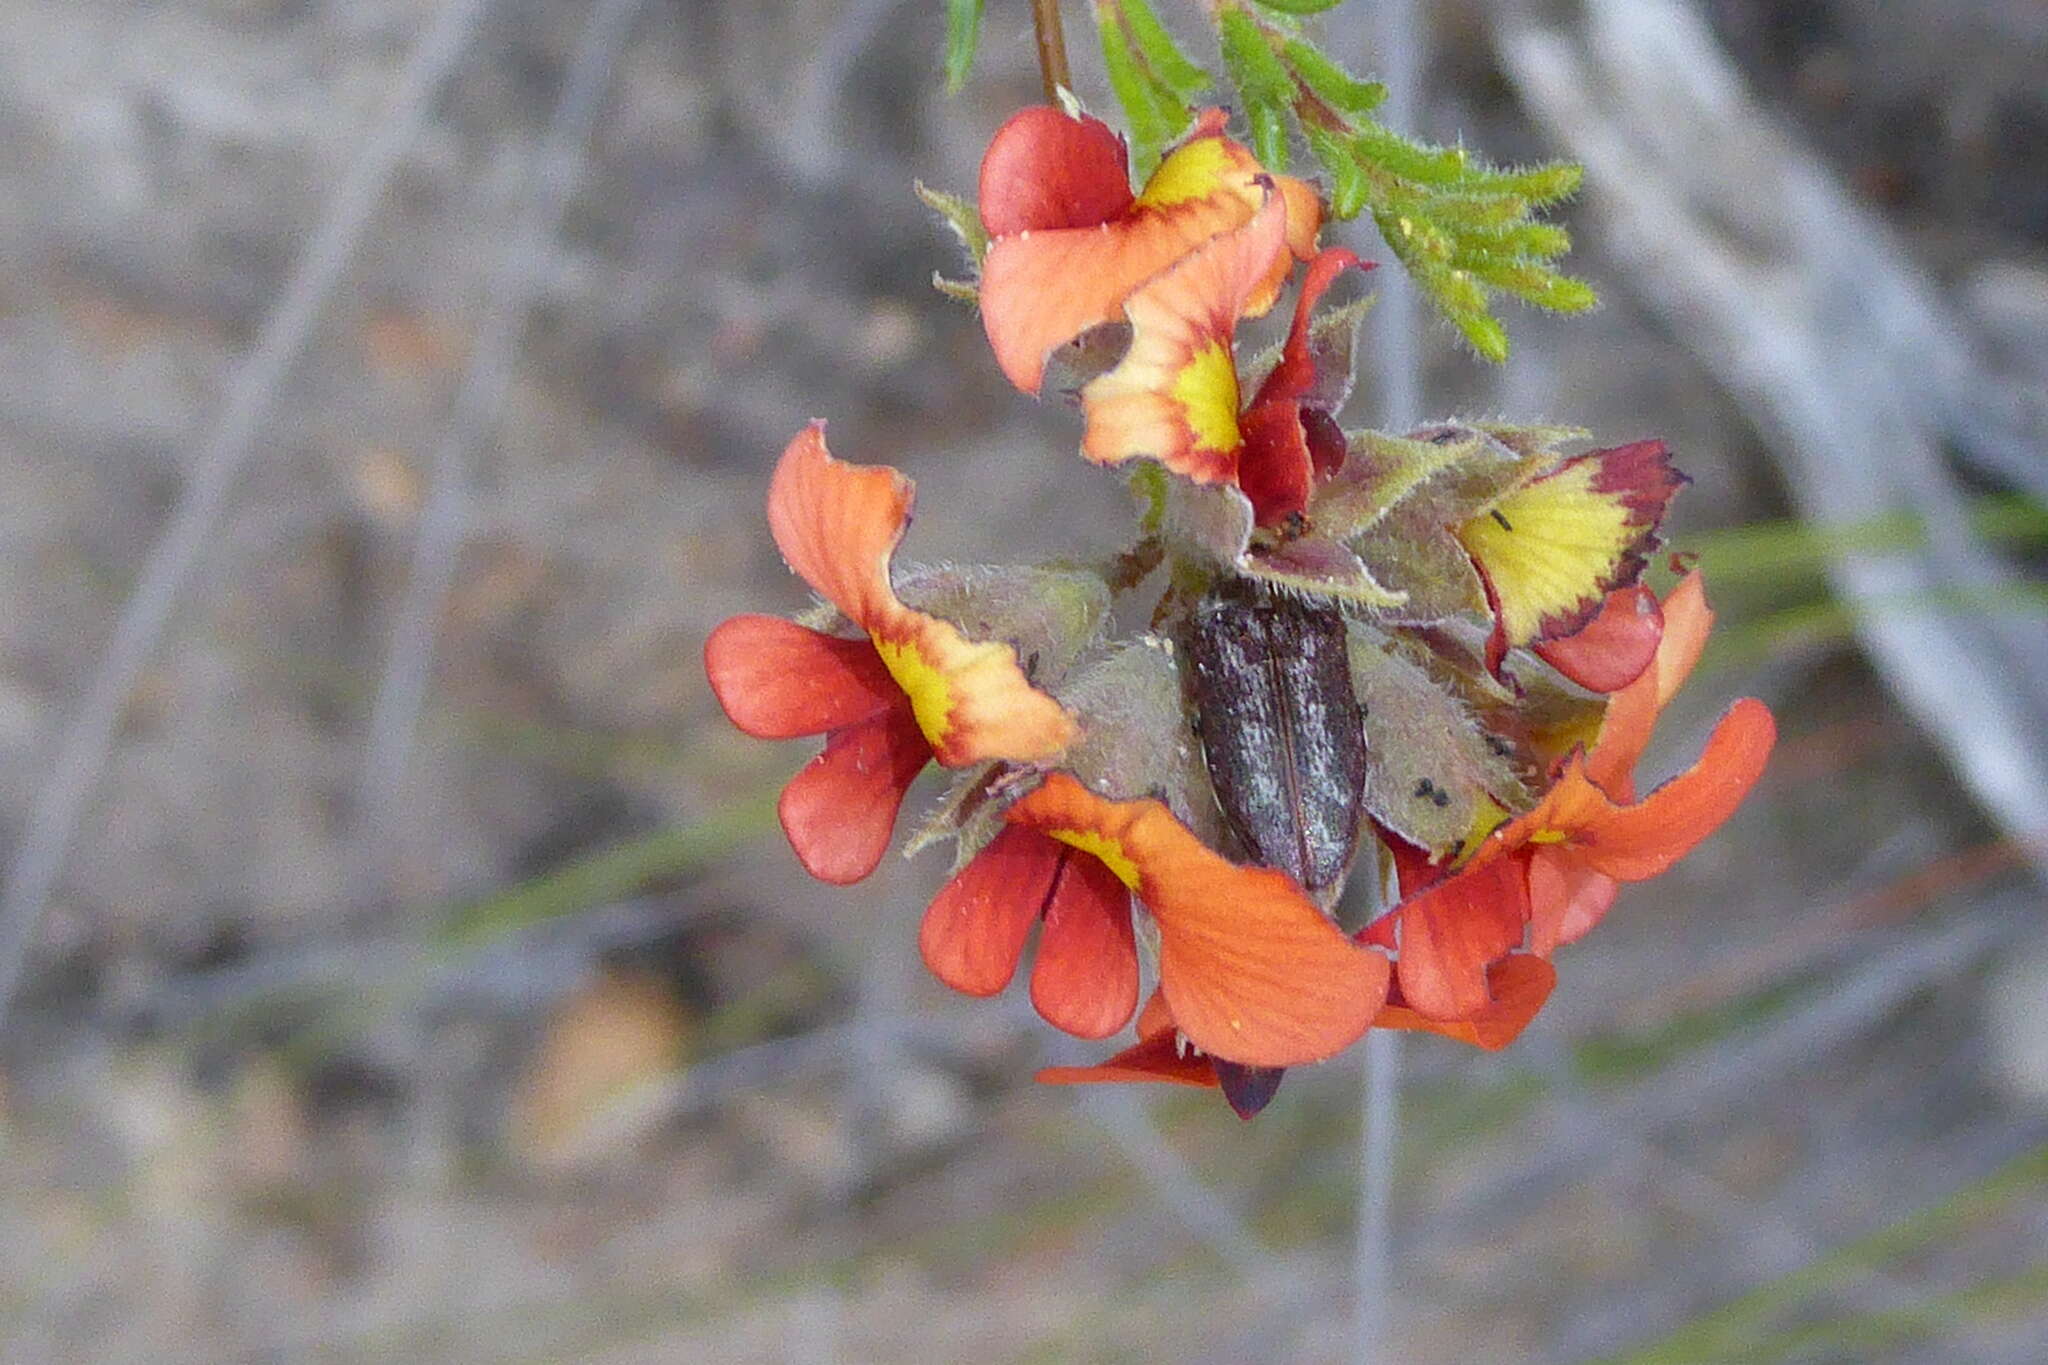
{"x": 604, "y": 1042}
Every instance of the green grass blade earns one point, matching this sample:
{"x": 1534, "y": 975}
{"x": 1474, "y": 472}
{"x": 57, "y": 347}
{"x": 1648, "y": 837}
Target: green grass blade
{"x": 963, "y": 34}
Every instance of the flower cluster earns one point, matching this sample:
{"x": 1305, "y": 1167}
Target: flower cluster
{"x": 1429, "y": 658}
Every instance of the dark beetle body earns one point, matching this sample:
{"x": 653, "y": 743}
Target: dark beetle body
{"x": 1269, "y": 677}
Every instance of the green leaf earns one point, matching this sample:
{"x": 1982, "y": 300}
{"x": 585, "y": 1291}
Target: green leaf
{"x": 1301, "y": 6}
{"x": 1156, "y": 114}
{"x": 1161, "y": 53}
{"x": 1348, "y": 184}
{"x": 1256, "y": 70}
{"x": 1330, "y": 82}
{"x": 1269, "y": 135}
{"x": 963, "y": 32}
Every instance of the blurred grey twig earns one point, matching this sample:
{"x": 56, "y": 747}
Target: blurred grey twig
{"x": 1801, "y": 303}
{"x": 82, "y": 753}
{"x": 394, "y": 716}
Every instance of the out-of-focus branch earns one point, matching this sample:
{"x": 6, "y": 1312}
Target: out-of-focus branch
{"x": 1804, "y": 306}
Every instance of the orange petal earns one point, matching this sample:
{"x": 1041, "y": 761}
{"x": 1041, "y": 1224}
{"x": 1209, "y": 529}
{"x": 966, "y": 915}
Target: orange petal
{"x": 841, "y": 809}
{"x": 1048, "y": 169}
{"x": 1518, "y": 986}
{"x": 1566, "y": 897}
{"x": 1614, "y": 648}
{"x": 974, "y": 932}
{"x": 1085, "y": 981}
{"x": 1174, "y": 397}
{"x": 1634, "y": 843}
{"x": 1159, "y": 1058}
{"x": 1632, "y": 712}
{"x": 1251, "y": 969}
{"x": 777, "y": 679}
{"x": 837, "y": 523}
{"x": 971, "y": 700}
{"x": 1454, "y": 931}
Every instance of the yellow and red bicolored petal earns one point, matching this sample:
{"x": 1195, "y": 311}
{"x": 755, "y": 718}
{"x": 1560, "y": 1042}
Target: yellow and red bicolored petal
{"x": 838, "y": 525}
{"x": 1085, "y": 980}
{"x": 1051, "y": 273}
{"x": 1549, "y": 552}
{"x": 1517, "y": 986}
{"x": 840, "y": 810}
{"x": 779, "y": 680}
{"x": 1250, "y": 968}
{"x": 1174, "y": 397}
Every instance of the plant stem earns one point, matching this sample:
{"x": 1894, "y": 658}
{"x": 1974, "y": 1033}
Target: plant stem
{"x": 1052, "y": 49}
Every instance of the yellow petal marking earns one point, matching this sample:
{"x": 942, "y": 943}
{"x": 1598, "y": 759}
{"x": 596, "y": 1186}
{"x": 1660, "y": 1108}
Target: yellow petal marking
{"x": 1548, "y": 547}
{"x": 1109, "y": 852}
{"x": 1192, "y": 172}
{"x": 1206, "y": 390}
{"x": 931, "y": 696}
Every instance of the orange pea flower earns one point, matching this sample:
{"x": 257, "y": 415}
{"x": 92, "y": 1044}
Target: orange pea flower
{"x": 905, "y": 690}
{"x": 1252, "y": 971}
{"x": 1544, "y": 878}
{"x": 1175, "y": 395}
{"x": 1070, "y": 242}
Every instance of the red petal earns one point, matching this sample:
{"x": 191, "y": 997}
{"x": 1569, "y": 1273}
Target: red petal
{"x": 974, "y": 932}
{"x": 1566, "y": 897}
{"x": 841, "y": 809}
{"x": 1045, "y": 169}
{"x": 1158, "y": 1058}
{"x": 1610, "y": 651}
{"x": 777, "y": 679}
{"x": 1453, "y": 932}
{"x": 1274, "y": 465}
{"x": 1632, "y": 712}
{"x": 1295, "y": 375}
{"x": 1635, "y": 843}
{"x": 1085, "y": 981}
{"x": 1519, "y": 984}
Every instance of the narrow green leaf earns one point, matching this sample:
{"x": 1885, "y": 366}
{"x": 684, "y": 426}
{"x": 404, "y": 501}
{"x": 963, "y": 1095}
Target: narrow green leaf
{"x": 1269, "y": 135}
{"x": 1301, "y": 6}
{"x": 1254, "y": 67}
{"x": 1155, "y": 113}
{"x": 1535, "y": 284}
{"x": 1330, "y": 82}
{"x": 1161, "y": 53}
{"x": 963, "y": 33}
{"x": 1349, "y": 187}
{"x": 1440, "y": 166}
{"x": 1540, "y": 185}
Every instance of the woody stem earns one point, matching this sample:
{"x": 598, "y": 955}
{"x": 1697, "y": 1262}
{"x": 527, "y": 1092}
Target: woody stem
{"x": 1052, "y": 48}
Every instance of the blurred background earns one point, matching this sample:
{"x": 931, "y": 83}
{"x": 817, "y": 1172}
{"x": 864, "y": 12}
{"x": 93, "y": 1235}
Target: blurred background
{"x": 409, "y": 969}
